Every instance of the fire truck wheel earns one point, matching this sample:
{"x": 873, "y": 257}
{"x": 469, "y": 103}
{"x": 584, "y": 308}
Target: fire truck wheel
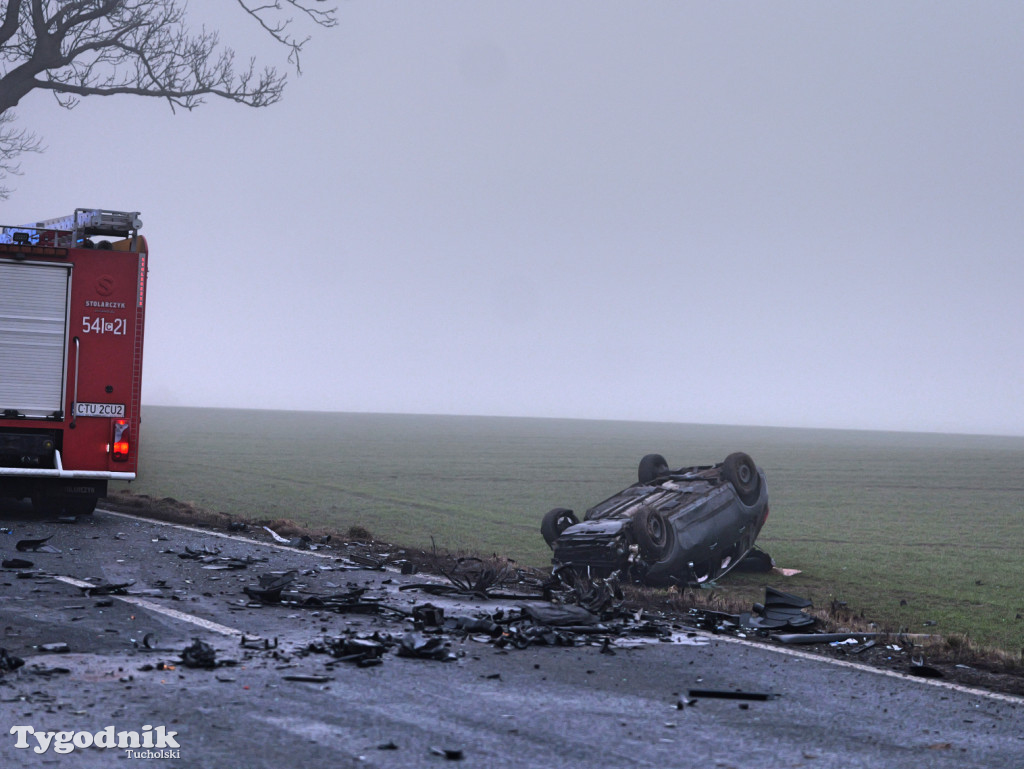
{"x": 46, "y": 505}
{"x": 80, "y": 505}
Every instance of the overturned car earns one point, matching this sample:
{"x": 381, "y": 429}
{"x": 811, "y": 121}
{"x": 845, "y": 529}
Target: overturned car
{"x": 686, "y": 526}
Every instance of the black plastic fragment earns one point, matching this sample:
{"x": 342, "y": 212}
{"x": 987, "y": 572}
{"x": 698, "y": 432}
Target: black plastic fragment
{"x": 420, "y": 647}
{"x": 9, "y": 662}
{"x": 107, "y": 588}
{"x": 35, "y": 546}
{"x": 781, "y": 610}
{"x": 925, "y": 671}
{"x": 452, "y": 754}
{"x": 559, "y": 615}
{"x": 199, "y": 655}
{"x": 757, "y": 561}
{"x": 271, "y": 586}
{"x": 822, "y": 638}
{"x": 727, "y": 694}
{"x": 308, "y": 679}
{"x": 428, "y": 615}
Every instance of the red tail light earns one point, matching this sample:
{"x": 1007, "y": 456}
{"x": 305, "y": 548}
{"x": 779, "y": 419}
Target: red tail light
{"x": 121, "y": 442}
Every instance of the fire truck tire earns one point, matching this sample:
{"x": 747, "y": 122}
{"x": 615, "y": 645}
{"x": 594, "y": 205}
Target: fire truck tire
{"x": 80, "y": 505}
{"x": 44, "y": 505}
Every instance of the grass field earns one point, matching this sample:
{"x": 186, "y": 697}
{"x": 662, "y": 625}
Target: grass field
{"x": 908, "y": 528}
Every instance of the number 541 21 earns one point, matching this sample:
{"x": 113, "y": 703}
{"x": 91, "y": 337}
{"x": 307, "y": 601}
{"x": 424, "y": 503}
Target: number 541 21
{"x": 115, "y": 326}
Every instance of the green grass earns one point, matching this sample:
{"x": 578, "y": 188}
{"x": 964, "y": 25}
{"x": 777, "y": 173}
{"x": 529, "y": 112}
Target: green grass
{"x": 905, "y": 527}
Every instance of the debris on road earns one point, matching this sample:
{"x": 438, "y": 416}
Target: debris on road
{"x": 308, "y": 679}
{"x": 35, "y": 546}
{"x": 272, "y": 591}
{"x": 481, "y": 603}
{"x": 300, "y": 543}
{"x": 452, "y": 754}
{"x": 212, "y": 560}
{"x": 54, "y": 648}
{"x": 9, "y": 662}
{"x": 199, "y": 655}
{"x": 727, "y": 694}
{"x": 107, "y": 588}
{"x": 359, "y": 650}
{"x": 421, "y": 647}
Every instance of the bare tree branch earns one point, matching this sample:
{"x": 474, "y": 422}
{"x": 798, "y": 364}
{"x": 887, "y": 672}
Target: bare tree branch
{"x": 79, "y": 48}
{"x": 13, "y": 144}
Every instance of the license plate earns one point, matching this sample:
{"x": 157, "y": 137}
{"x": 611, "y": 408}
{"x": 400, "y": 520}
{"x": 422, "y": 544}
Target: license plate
{"x": 99, "y": 409}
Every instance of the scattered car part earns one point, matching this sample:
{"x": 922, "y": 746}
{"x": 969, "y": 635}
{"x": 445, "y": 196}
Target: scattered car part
{"x": 308, "y": 679}
{"x": 271, "y": 586}
{"x": 559, "y": 615}
{"x": 107, "y": 588}
{"x": 35, "y": 546}
{"x": 781, "y": 610}
{"x": 199, "y": 655}
{"x": 757, "y": 561}
{"x": 726, "y": 694}
{"x": 823, "y": 638}
{"x": 9, "y": 662}
{"x": 422, "y": 647}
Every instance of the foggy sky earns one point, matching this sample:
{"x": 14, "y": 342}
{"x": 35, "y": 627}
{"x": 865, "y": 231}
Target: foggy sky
{"x": 803, "y": 214}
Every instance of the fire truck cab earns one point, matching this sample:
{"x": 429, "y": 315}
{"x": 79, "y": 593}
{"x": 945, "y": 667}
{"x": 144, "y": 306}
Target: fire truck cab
{"x": 72, "y": 308}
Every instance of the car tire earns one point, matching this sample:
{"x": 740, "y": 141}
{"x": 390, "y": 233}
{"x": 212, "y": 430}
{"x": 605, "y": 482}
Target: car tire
{"x": 555, "y": 522}
{"x": 652, "y": 466}
{"x": 652, "y": 533}
{"x": 739, "y": 469}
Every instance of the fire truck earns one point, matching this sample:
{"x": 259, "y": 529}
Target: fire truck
{"x": 72, "y": 306}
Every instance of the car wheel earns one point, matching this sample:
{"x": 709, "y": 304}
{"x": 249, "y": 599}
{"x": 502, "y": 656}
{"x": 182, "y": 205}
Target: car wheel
{"x": 652, "y": 466}
{"x": 739, "y": 469}
{"x": 555, "y": 522}
{"x": 652, "y": 532}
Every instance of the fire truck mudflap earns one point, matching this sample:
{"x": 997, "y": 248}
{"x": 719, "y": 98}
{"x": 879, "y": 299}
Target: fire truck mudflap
{"x": 72, "y": 309}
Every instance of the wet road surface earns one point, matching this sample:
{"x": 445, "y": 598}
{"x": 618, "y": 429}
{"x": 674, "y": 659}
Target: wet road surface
{"x": 536, "y": 707}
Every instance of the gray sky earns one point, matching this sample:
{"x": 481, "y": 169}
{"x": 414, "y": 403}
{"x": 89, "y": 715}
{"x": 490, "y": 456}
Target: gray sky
{"x": 804, "y": 214}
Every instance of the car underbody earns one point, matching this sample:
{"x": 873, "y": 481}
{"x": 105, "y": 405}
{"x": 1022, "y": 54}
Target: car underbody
{"x": 686, "y": 526}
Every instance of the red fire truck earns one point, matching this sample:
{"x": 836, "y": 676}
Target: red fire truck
{"x": 72, "y": 304}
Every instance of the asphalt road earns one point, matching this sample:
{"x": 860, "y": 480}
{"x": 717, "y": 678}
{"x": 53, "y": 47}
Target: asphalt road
{"x": 541, "y": 706}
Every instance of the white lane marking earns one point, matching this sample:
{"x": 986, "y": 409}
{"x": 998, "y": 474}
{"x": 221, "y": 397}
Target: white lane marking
{"x": 866, "y": 668}
{"x": 740, "y": 641}
{"x": 150, "y": 606}
{"x": 210, "y": 533}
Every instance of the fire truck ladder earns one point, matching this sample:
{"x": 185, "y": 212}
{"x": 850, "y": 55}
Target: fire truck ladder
{"x": 71, "y": 231}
